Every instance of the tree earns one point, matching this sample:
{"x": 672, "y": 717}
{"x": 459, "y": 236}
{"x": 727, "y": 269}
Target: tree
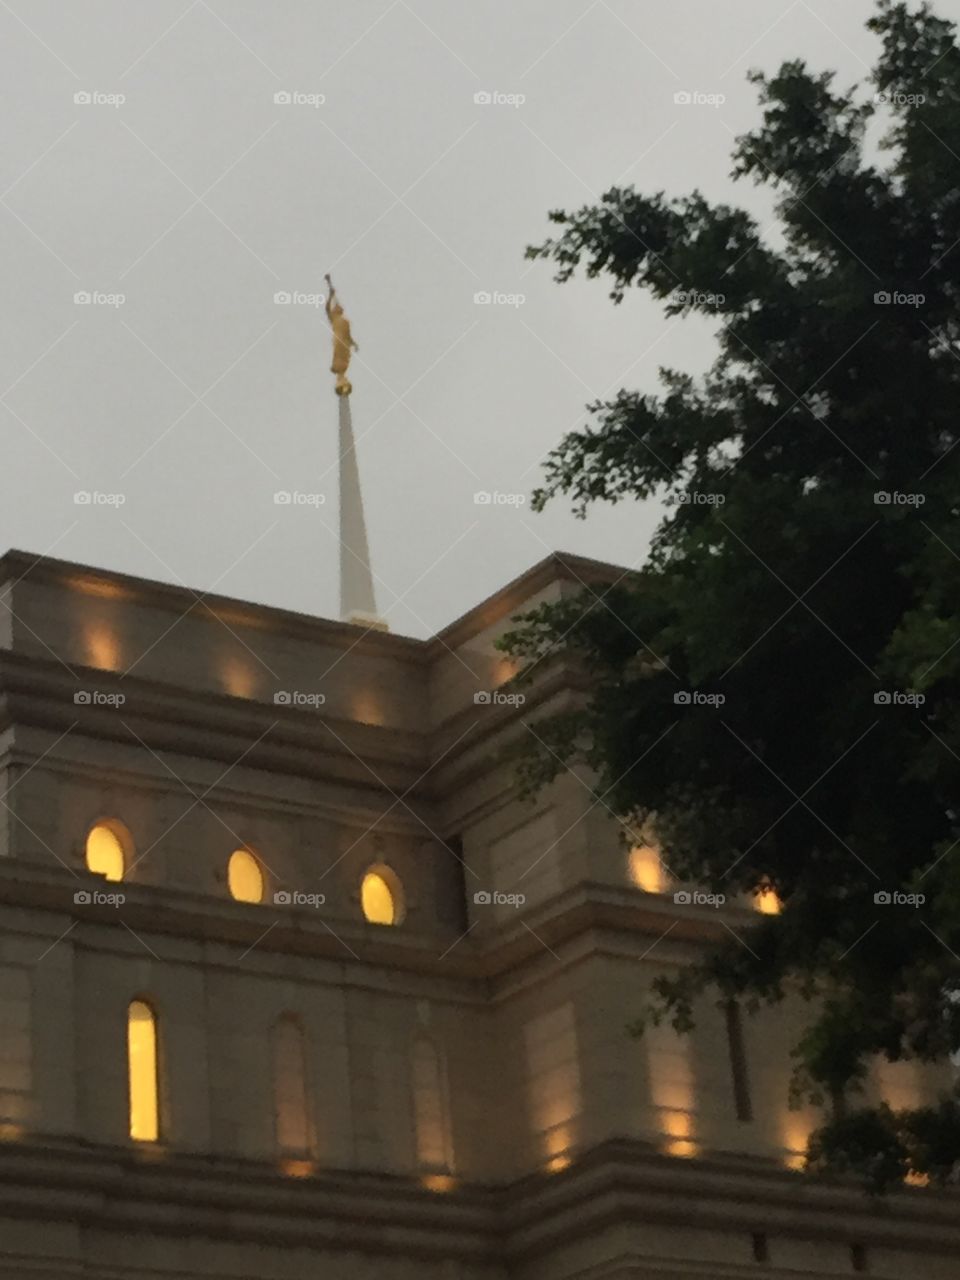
{"x": 802, "y": 588}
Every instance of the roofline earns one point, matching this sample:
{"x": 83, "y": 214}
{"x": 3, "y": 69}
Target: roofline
{"x": 17, "y": 565}
{"x": 557, "y": 566}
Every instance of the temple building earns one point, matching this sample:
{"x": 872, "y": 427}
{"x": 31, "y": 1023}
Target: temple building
{"x": 293, "y": 985}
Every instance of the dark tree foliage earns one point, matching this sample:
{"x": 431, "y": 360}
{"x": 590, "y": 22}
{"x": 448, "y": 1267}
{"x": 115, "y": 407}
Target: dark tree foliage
{"x": 807, "y": 570}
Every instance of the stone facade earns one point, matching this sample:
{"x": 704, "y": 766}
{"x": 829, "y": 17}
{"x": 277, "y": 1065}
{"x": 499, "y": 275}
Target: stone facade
{"x": 451, "y": 1098}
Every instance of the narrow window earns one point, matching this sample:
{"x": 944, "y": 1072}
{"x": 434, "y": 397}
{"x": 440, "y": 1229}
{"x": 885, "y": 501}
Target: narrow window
{"x": 738, "y": 1061}
{"x": 858, "y": 1257}
{"x": 105, "y": 852}
{"x": 142, "y": 1072}
{"x": 244, "y": 877}
{"x": 761, "y": 1251}
{"x": 430, "y": 1109}
{"x": 381, "y": 896}
{"x": 290, "y": 1105}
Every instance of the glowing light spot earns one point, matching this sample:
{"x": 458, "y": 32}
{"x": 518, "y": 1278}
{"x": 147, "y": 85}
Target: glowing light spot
{"x": 142, "y": 1072}
{"x": 244, "y": 877}
{"x": 102, "y": 647}
{"x": 439, "y": 1182}
{"x": 645, "y": 869}
{"x": 105, "y": 852}
{"x": 379, "y": 899}
{"x": 298, "y": 1168}
{"x": 767, "y": 901}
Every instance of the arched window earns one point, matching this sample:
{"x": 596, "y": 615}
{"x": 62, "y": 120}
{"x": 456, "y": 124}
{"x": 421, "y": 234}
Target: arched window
{"x": 143, "y": 1083}
{"x": 291, "y": 1107}
{"x": 244, "y": 877}
{"x": 381, "y": 896}
{"x": 431, "y": 1115}
{"x": 107, "y": 849}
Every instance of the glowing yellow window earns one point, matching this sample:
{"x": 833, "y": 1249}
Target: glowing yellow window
{"x": 244, "y": 877}
{"x": 378, "y": 899}
{"x": 142, "y": 1072}
{"x": 104, "y": 853}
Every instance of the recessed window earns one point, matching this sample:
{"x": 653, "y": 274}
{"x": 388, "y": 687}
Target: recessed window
{"x": 244, "y": 877}
{"x": 381, "y": 896}
{"x": 142, "y": 1072}
{"x": 105, "y": 852}
{"x": 290, "y": 1104}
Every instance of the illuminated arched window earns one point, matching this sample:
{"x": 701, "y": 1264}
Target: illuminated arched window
{"x": 290, "y": 1099}
{"x": 108, "y": 844}
{"x": 143, "y": 1083}
{"x": 431, "y": 1116}
{"x": 244, "y": 877}
{"x": 381, "y": 896}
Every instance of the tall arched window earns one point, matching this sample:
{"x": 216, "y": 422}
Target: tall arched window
{"x": 107, "y": 848}
{"x": 244, "y": 877}
{"x": 142, "y": 1075}
{"x": 431, "y": 1116}
{"x": 290, "y": 1099}
{"x": 381, "y": 896}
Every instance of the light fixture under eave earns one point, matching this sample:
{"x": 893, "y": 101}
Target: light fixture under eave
{"x": 646, "y": 869}
{"x": 298, "y": 1168}
{"x": 439, "y": 1182}
{"x": 767, "y": 901}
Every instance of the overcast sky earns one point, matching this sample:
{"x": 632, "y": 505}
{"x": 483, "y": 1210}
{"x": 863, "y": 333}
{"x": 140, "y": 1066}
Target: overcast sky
{"x": 198, "y": 198}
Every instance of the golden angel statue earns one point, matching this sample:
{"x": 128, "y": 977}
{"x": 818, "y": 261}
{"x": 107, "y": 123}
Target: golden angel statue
{"x": 343, "y": 343}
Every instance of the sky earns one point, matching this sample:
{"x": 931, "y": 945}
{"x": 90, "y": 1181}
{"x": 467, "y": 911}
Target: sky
{"x": 182, "y": 163}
